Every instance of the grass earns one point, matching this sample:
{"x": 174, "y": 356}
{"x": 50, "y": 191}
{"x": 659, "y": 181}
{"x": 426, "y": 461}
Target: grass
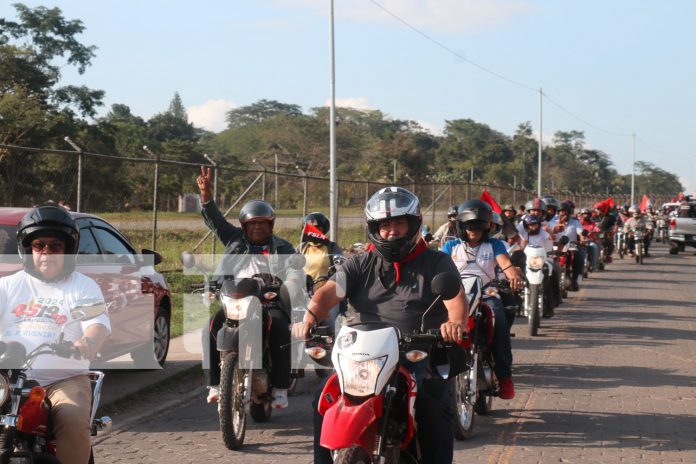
{"x": 171, "y": 243}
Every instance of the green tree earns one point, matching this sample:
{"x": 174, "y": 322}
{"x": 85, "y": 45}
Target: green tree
{"x": 260, "y": 111}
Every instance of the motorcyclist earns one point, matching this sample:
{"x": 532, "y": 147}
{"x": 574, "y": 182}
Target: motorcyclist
{"x": 391, "y": 283}
{"x": 510, "y": 214}
{"x": 36, "y": 305}
{"x": 535, "y": 207}
{"x": 551, "y": 207}
{"x": 592, "y": 228}
{"x": 636, "y": 222}
{"x": 255, "y": 237}
{"x": 536, "y": 236}
{"x": 476, "y": 253}
{"x": 448, "y": 230}
{"x": 566, "y": 225}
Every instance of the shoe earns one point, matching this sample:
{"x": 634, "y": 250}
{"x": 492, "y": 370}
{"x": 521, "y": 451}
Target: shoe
{"x": 280, "y": 398}
{"x": 608, "y": 259}
{"x": 574, "y": 287}
{"x": 507, "y": 389}
{"x": 213, "y": 394}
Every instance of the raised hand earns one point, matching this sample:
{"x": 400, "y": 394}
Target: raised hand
{"x": 204, "y": 182}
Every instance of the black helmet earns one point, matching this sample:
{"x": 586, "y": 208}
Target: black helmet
{"x": 321, "y": 221}
{"x": 550, "y": 201}
{"x": 47, "y": 221}
{"x": 475, "y": 213}
{"x": 566, "y": 206}
{"x": 529, "y": 220}
{"x": 256, "y": 209}
{"x": 391, "y": 203}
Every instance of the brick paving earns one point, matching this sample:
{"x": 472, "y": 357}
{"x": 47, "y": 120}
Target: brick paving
{"x": 610, "y": 379}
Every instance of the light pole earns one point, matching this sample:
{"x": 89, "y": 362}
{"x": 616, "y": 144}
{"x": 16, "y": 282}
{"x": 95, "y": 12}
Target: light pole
{"x": 215, "y": 183}
{"x": 633, "y": 169}
{"x": 263, "y": 179}
{"x": 79, "y": 171}
{"x": 154, "y": 199}
{"x": 333, "y": 183}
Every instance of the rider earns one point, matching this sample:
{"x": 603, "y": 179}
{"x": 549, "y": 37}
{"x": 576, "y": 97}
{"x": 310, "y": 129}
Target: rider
{"x": 535, "y": 207}
{"x": 391, "y": 283}
{"x": 476, "y": 253}
{"x": 255, "y": 237}
{"x": 47, "y": 241}
{"x": 592, "y": 229}
{"x": 551, "y": 207}
{"x": 447, "y": 231}
{"x": 637, "y": 222}
{"x": 566, "y": 225}
{"x": 536, "y": 236}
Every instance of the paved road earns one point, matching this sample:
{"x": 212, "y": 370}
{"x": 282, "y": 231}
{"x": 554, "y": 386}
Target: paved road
{"x": 610, "y": 379}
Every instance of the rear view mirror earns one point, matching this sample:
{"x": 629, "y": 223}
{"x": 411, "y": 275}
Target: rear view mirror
{"x": 188, "y": 260}
{"x": 156, "y": 256}
{"x": 446, "y": 285}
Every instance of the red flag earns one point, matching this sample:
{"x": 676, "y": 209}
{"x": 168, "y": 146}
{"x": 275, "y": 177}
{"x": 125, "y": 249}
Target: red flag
{"x": 485, "y": 196}
{"x": 610, "y": 201}
{"x": 644, "y": 203}
{"x": 310, "y": 233}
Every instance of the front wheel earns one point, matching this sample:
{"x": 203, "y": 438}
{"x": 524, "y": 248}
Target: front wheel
{"x": 463, "y": 407}
{"x": 231, "y": 403}
{"x": 353, "y": 455}
{"x": 533, "y": 318}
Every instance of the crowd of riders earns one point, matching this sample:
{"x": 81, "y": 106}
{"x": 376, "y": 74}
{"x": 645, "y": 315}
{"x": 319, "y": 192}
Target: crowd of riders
{"x": 389, "y": 279}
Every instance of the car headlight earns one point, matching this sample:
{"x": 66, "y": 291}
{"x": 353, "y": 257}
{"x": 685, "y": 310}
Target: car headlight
{"x": 360, "y": 377}
{"x": 236, "y": 308}
{"x": 535, "y": 262}
{"x": 4, "y": 389}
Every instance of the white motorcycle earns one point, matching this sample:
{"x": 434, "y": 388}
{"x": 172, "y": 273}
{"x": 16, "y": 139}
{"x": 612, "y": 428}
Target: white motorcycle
{"x": 537, "y": 274}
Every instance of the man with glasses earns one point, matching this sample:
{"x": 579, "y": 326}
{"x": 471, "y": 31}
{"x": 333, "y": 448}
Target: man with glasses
{"x": 35, "y": 308}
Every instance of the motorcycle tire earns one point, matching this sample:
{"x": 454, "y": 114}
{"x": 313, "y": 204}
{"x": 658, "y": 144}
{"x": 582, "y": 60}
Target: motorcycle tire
{"x": 621, "y": 252}
{"x": 533, "y": 319}
{"x": 639, "y": 254}
{"x": 260, "y": 412}
{"x": 42, "y": 458}
{"x": 484, "y": 404}
{"x": 353, "y": 455}
{"x": 294, "y": 377}
{"x": 231, "y": 402}
{"x": 464, "y": 417}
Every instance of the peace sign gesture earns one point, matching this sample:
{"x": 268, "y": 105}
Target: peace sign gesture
{"x": 204, "y": 182}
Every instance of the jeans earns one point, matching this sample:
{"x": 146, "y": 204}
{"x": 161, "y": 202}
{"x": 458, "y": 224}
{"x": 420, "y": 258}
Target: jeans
{"x": 502, "y": 347}
{"x": 279, "y": 345}
{"x": 593, "y": 249}
{"x": 433, "y": 417}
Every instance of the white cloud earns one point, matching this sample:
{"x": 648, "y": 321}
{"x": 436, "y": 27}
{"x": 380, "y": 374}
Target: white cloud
{"x": 359, "y": 103}
{"x": 431, "y": 128}
{"x": 450, "y": 16}
{"x": 210, "y": 115}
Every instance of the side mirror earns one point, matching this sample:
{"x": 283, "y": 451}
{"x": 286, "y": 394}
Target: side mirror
{"x": 564, "y": 240}
{"x": 446, "y": 285}
{"x": 188, "y": 260}
{"x": 297, "y": 262}
{"x": 88, "y": 309}
{"x": 157, "y": 257}
{"x": 14, "y": 356}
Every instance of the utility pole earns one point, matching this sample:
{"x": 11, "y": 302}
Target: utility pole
{"x": 154, "y": 199}
{"x": 633, "y": 170}
{"x": 541, "y": 98}
{"x": 333, "y": 184}
{"x": 79, "y": 172}
{"x": 215, "y": 184}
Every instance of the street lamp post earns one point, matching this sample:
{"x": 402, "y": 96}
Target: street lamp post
{"x": 154, "y": 199}
{"x": 79, "y": 172}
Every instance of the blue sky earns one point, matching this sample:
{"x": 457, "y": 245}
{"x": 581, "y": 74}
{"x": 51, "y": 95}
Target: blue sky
{"x": 619, "y": 67}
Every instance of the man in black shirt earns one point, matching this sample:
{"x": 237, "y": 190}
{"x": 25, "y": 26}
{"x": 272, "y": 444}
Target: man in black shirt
{"x": 391, "y": 283}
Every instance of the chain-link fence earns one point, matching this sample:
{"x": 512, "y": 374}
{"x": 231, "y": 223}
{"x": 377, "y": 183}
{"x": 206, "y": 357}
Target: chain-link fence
{"x": 135, "y": 187}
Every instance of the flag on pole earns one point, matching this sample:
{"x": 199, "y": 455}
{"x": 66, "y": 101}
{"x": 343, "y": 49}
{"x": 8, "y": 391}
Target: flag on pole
{"x": 485, "y": 196}
{"x": 644, "y": 203}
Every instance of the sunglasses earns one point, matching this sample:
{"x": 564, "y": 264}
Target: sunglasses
{"x": 54, "y": 247}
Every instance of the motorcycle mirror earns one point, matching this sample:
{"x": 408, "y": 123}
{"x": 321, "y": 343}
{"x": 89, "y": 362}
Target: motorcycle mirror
{"x": 296, "y": 261}
{"x": 14, "y": 356}
{"x": 446, "y": 285}
{"x": 564, "y": 240}
{"x": 188, "y": 260}
{"x": 88, "y": 309}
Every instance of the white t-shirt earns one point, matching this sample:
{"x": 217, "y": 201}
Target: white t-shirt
{"x": 479, "y": 260}
{"x": 573, "y": 229}
{"x": 542, "y": 239}
{"x": 34, "y": 312}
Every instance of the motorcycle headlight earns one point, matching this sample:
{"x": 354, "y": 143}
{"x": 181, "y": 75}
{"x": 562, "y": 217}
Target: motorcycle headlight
{"x": 236, "y": 308}
{"x": 535, "y": 262}
{"x": 4, "y": 389}
{"x": 360, "y": 377}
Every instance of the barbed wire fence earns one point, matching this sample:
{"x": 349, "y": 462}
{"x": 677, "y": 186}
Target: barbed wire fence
{"x": 99, "y": 183}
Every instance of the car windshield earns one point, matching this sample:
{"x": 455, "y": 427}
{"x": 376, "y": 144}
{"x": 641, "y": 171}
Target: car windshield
{"x": 8, "y": 240}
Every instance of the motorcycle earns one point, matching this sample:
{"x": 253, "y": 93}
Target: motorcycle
{"x": 638, "y": 248}
{"x": 368, "y": 404}
{"x": 26, "y": 435}
{"x": 563, "y": 253}
{"x": 473, "y": 390}
{"x": 537, "y": 275}
{"x": 662, "y": 228}
{"x": 620, "y": 245}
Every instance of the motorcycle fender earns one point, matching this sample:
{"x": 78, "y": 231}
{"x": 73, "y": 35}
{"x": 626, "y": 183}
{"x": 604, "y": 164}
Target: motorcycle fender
{"x": 330, "y": 394}
{"x": 228, "y": 339}
{"x": 535, "y": 277}
{"x": 346, "y": 424}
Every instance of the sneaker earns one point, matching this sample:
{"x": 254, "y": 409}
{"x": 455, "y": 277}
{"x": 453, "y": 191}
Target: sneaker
{"x": 507, "y": 389}
{"x": 213, "y": 393}
{"x": 280, "y": 398}
{"x": 608, "y": 259}
{"x": 574, "y": 287}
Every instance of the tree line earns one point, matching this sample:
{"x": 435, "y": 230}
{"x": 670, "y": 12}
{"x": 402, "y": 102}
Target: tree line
{"x": 36, "y": 110}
